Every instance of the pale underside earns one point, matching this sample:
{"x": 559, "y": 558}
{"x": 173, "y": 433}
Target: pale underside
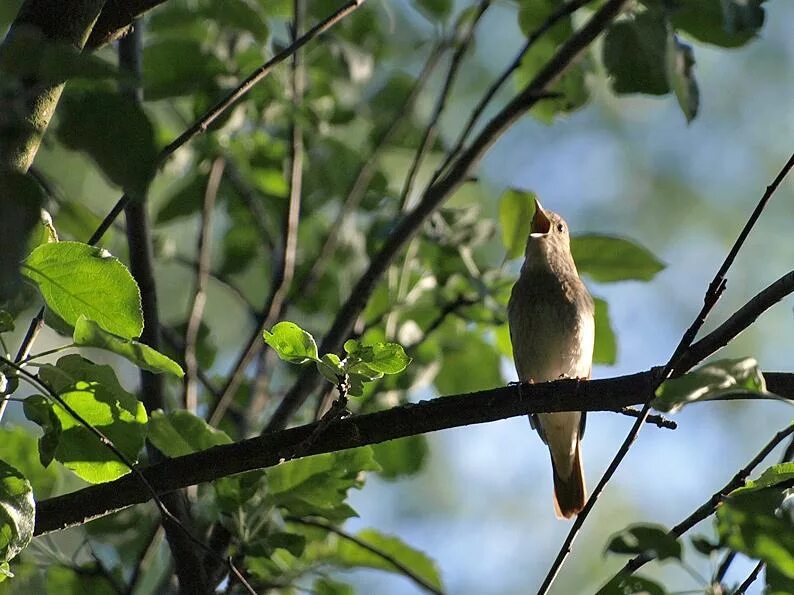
{"x": 552, "y": 331}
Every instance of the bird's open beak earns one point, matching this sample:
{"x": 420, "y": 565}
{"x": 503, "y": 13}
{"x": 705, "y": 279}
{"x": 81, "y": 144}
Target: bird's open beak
{"x": 540, "y": 221}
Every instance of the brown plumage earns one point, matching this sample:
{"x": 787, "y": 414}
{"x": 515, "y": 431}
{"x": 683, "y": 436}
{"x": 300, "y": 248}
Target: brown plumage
{"x": 552, "y": 329}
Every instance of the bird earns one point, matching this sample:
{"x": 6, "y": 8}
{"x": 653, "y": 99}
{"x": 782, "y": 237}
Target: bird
{"x": 552, "y": 328}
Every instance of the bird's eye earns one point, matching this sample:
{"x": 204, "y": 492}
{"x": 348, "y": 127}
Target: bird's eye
{"x": 560, "y": 227}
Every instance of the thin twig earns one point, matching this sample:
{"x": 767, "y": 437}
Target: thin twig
{"x": 201, "y": 125}
{"x": 204, "y": 253}
{"x": 738, "y": 321}
{"x": 402, "y": 568}
{"x": 709, "y": 506}
{"x": 284, "y": 271}
{"x": 722, "y": 570}
{"x": 713, "y": 293}
{"x": 34, "y": 328}
{"x": 437, "y": 193}
{"x": 741, "y": 589}
{"x": 657, "y": 420}
{"x": 562, "y": 11}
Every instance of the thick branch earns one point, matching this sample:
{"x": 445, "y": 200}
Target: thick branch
{"x": 610, "y": 394}
{"x": 24, "y": 118}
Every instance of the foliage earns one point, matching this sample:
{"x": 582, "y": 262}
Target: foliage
{"x": 438, "y": 305}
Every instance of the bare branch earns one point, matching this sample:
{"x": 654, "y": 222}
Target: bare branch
{"x": 204, "y": 253}
{"x": 611, "y": 394}
{"x": 116, "y": 20}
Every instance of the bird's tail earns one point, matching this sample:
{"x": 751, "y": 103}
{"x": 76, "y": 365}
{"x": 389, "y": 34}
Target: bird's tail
{"x": 570, "y": 493}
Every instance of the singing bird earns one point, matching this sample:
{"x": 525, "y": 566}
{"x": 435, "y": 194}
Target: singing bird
{"x": 550, "y": 315}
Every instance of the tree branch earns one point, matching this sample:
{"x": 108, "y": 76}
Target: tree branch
{"x": 611, "y": 394}
{"x": 25, "y": 118}
{"x": 440, "y": 191}
{"x": 204, "y": 253}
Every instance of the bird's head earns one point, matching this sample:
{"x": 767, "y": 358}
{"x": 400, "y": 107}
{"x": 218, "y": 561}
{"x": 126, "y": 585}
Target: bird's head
{"x": 548, "y": 243}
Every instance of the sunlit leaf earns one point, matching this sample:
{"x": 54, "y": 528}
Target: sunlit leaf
{"x": 292, "y": 343}
{"x": 96, "y": 395}
{"x": 79, "y": 280}
{"x": 88, "y": 333}
{"x": 715, "y": 380}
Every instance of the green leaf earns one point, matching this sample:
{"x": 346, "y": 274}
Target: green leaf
{"x": 352, "y": 555}
{"x": 21, "y": 199}
{"x": 635, "y": 54}
{"x": 383, "y": 358}
{"x": 571, "y": 85}
{"x": 185, "y": 201}
{"x": 516, "y": 208}
{"x": 606, "y": 259}
{"x": 646, "y": 539}
{"x": 88, "y": 333}
{"x": 38, "y": 409}
{"x": 79, "y": 280}
{"x": 331, "y": 368}
{"x": 704, "y": 546}
{"x": 17, "y": 512}
{"x": 326, "y": 586}
{"x": 747, "y": 522}
{"x": 96, "y": 395}
{"x": 605, "y": 350}
{"x": 715, "y": 380}
{"x": 400, "y": 458}
{"x": 468, "y": 351}
{"x": 629, "y": 585}
{"x": 318, "y": 485}
{"x": 178, "y": 66}
{"x": 726, "y": 23}
{"x": 6, "y": 322}
{"x": 236, "y": 492}
{"x": 96, "y": 122}
{"x": 88, "y": 578}
{"x": 772, "y": 476}
{"x": 180, "y": 433}
{"x": 680, "y": 65}
{"x": 18, "y": 447}
{"x": 292, "y": 343}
